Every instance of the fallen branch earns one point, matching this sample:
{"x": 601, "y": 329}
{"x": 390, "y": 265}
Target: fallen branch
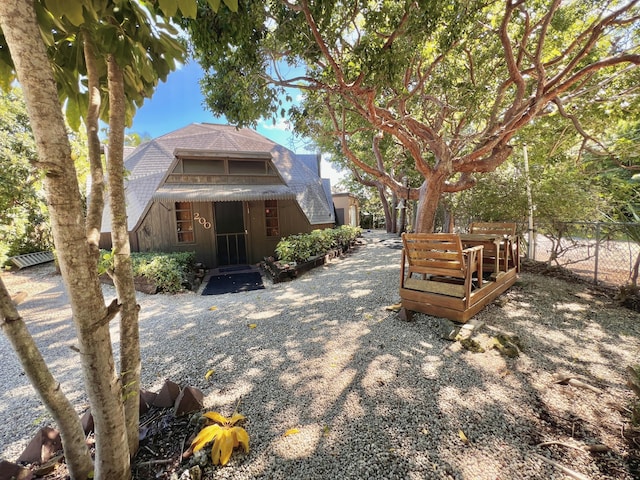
{"x": 598, "y": 447}
{"x": 160, "y": 461}
{"x": 574, "y": 382}
{"x": 562, "y": 468}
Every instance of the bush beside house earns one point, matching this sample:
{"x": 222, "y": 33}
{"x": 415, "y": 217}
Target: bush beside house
{"x": 156, "y": 271}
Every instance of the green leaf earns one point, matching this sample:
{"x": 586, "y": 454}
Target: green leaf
{"x": 214, "y": 4}
{"x": 74, "y": 13}
{"x": 232, "y": 4}
{"x": 189, "y": 8}
{"x": 56, "y": 7}
{"x": 73, "y": 113}
{"x": 169, "y": 7}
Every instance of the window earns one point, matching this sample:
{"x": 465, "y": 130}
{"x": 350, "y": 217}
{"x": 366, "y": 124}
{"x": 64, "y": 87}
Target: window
{"x": 184, "y": 222}
{"x": 271, "y": 218}
{"x": 203, "y": 167}
{"x": 247, "y": 167}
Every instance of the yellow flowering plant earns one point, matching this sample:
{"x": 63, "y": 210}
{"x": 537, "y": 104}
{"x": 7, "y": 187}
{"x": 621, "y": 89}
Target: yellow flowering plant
{"x": 224, "y": 434}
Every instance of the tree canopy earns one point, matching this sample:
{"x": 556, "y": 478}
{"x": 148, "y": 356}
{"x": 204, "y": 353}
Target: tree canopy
{"x": 451, "y": 82}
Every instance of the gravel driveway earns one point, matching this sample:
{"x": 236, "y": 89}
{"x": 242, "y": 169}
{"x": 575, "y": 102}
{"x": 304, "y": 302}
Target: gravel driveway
{"x": 371, "y": 395}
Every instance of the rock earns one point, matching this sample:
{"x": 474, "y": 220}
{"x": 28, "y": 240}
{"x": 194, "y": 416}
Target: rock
{"x": 13, "y": 471}
{"x": 468, "y": 329}
{"x": 508, "y": 346}
{"x": 87, "y": 422}
{"x": 189, "y": 400}
{"x": 167, "y": 395}
{"x": 147, "y": 399}
{"x": 447, "y": 329}
{"x": 471, "y": 345}
{"x": 42, "y": 447}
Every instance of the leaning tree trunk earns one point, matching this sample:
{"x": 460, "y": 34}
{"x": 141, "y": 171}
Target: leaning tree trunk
{"x": 90, "y": 314}
{"x": 123, "y": 270}
{"x": 71, "y": 432}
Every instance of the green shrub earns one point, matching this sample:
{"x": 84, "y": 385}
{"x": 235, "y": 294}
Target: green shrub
{"x": 298, "y": 248}
{"x": 168, "y": 271}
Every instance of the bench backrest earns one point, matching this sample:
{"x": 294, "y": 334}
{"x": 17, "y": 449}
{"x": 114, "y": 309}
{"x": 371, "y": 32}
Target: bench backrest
{"x": 500, "y": 228}
{"x": 434, "y": 253}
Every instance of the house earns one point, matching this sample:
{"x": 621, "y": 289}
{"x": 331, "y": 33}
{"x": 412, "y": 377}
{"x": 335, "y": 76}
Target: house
{"x": 347, "y": 209}
{"x": 227, "y": 194}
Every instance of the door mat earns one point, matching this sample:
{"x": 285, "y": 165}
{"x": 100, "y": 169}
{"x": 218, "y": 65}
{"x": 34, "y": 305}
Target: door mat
{"x": 239, "y": 282}
{"x": 234, "y": 268}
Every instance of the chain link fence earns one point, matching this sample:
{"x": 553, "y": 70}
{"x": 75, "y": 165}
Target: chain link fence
{"x": 598, "y": 251}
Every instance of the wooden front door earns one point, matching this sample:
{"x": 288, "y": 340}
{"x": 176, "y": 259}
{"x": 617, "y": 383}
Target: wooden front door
{"x": 231, "y": 235}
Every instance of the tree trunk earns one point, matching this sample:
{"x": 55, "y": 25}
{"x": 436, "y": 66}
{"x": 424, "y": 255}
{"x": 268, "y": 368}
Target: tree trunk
{"x": 73, "y": 439}
{"x": 91, "y": 317}
{"x": 123, "y": 270}
{"x": 96, "y": 195}
{"x": 430, "y": 193}
{"x": 388, "y": 221}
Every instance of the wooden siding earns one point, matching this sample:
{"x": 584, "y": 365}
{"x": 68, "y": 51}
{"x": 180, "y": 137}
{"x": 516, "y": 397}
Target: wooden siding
{"x": 157, "y": 231}
{"x": 291, "y": 220}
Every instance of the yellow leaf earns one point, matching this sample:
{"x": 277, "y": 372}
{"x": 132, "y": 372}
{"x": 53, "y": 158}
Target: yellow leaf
{"x": 216, "y": 417}
{"x": 325, "y": 430}
{"x": 213, "y": 309}
{"x": 207, "y": 375}
{"x": 253, "y": 325}
{"x": 236, "y": 417}
{"x": 205, "y": 436}
{"x": 463, "y": 437}
{"x": 240, "y": 437}
{"x": 291, "y": 431}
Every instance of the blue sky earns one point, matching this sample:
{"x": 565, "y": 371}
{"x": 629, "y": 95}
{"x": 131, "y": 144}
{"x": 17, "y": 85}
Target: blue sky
{"x": 178, "y": 102}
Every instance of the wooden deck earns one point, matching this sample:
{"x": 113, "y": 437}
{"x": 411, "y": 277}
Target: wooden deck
{"x": 441, "y": 278}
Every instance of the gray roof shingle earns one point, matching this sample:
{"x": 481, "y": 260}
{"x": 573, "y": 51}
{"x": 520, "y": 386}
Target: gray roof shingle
{"x": 149, "y": 163}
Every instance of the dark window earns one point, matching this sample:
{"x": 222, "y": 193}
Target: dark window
{"x": 184, "y": 222}
{"x": 247, "y": 167}
{"x": 271, "y": 218}
{"x": 206, "y": 167}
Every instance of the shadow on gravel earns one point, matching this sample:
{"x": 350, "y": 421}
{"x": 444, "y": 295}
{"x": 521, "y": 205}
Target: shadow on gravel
{"x": 375, "y": 397}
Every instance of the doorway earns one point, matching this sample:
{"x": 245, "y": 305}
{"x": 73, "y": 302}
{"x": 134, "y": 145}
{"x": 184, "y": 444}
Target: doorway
{"x": 231, "y": 235}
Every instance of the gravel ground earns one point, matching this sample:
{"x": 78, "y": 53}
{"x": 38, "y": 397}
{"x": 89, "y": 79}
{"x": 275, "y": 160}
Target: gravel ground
{"x": 371, "y": 395}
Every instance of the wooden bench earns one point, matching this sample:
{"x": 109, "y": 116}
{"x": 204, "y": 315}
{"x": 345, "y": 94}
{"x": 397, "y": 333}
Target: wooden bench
{"x": 444, "y": 266}
{"x": 440, "y": 277}
{"x": 507, "y": 250}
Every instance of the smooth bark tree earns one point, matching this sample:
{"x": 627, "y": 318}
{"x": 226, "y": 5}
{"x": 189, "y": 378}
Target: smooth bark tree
{"x": 452, "y": 82}
{"x": 90, "y": 314}
{"x": 134, "y": 71}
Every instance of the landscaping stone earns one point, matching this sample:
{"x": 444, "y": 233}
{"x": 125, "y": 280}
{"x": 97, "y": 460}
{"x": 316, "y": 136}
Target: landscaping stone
{"x": 87, "y": 422}
{"x": 13, "y": 471}
{"x": 189, "y": 400}
{"x": 45, "y": 444}
{"x": 147, "y": 399}
{"x": 167, "y": 395}
{"x": 447, "y": 330}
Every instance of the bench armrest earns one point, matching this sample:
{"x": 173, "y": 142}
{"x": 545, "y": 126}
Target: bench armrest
{"x": 475, "y": 248}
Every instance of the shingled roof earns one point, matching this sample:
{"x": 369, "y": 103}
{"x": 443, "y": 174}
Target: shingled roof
{"x": 148, "y": 165}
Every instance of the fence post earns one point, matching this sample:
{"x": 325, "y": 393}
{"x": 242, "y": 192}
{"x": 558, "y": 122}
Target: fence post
{"x": 595, "y": 270}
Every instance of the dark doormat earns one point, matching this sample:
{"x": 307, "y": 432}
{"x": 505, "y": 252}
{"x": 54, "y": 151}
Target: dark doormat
{"x": 234, "y": 283}
{"x": 234, "y": 268}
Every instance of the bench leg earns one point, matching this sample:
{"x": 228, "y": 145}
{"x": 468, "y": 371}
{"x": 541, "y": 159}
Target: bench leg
{"x": 406, "y": 315}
